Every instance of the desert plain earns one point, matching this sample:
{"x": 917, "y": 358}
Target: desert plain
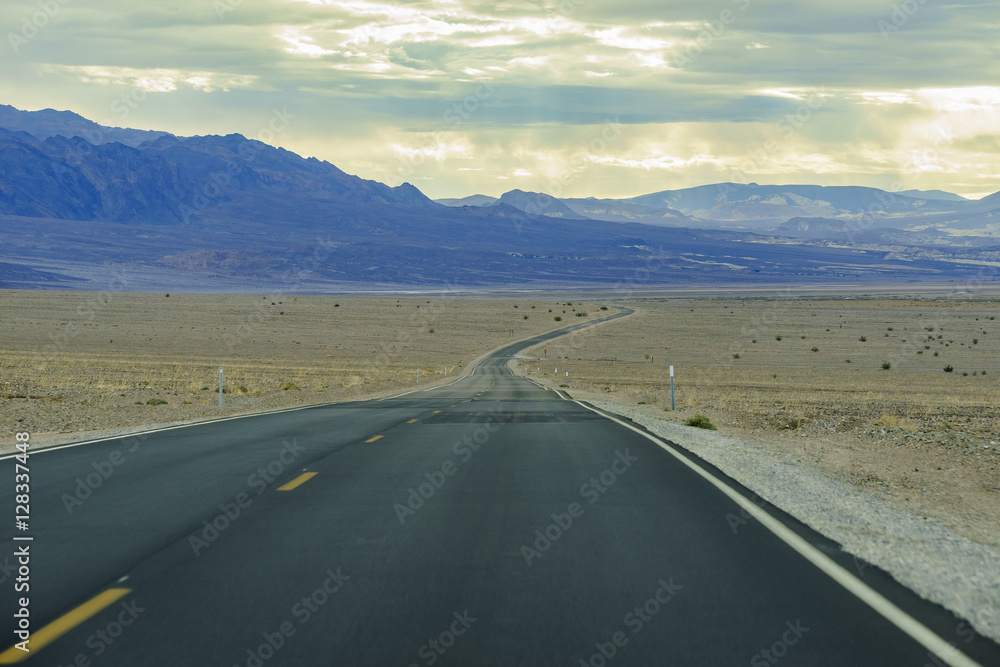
{"x": 856, "y": 388}
{"x": 894, "y": 395}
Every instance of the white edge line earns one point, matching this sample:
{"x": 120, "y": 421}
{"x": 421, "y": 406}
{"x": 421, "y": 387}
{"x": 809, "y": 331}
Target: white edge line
{"x": 134, "y": 434}
{"x": 252, "y": 414}
{"x": 911, "y": 626}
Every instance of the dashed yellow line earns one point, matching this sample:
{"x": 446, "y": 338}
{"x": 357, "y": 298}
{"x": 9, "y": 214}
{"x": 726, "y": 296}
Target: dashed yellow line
{"x": 436, "y": 411}
{"x": 57, "y": 628}
{"x": 298, "y": 481}
{"x": 412, "y": 421}
{"x": 373, "y": 439}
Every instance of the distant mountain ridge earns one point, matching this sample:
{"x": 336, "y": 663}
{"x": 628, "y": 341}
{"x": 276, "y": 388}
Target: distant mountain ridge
{"x": 193, "y": 211}
{"x": 49, "y": 123}
{"x": 760, "y": 208}
{"x": 169, "y": 179}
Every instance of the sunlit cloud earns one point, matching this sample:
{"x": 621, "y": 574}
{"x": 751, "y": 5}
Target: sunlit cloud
{"x": 370, "y": 82}
{"x": 618, "y": 37}
{"x": 156, "y": 80}
{"x": 301, "y": 44}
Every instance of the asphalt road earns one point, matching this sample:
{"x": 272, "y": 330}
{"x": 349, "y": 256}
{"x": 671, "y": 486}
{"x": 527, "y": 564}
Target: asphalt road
{"x": 487, "y": 522}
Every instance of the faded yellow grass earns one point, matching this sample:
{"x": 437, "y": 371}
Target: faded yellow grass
{"x": 923, "y": 437}
{"x": 93, "y": 360}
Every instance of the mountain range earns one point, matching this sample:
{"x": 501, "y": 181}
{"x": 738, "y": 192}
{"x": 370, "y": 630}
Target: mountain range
{"x": 79, "y": 201}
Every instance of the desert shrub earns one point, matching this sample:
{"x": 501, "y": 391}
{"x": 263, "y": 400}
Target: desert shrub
{"x": 290, "y": 386}
{"x": 557, "y": 318}
{"x": 863, "y": 339}
{"x": 886, "y": 365}
{"x": 736, "y": 355}
{"x": 604, "y": 307}
{"x": 949, "y": 368}
{"x": 156, "y": 401}
{"x": 815, "y": 349}
{"x": 700, "y": 421}
{"x": 777, "y": 338}
{"x": 975, "y": 341}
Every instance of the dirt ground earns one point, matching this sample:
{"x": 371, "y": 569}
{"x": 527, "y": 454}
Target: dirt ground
{"x": 913, "y": 433}
{"x": 88, "y": 362}
{"x": 77, "y": 362}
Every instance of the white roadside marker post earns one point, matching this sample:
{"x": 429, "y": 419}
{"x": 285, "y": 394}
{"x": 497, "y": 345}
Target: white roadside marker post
{"x": 671, "y": 386}
{"x": 220, "y": 388}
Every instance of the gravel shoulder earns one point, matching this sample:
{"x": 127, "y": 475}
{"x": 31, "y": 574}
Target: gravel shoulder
{"x": 922, "y": 554}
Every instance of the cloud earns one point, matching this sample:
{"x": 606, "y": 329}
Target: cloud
{"x": 156, "y": 80}
{"x": 699, "y": 91}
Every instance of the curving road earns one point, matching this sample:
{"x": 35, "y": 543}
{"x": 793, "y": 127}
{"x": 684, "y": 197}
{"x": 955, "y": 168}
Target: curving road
{"x": 487, "y": 522}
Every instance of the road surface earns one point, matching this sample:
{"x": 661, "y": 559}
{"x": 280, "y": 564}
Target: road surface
{"x": 487, "y": 522}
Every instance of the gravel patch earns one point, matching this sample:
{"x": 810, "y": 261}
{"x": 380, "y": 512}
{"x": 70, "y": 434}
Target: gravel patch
{"x": 920, "y": 553}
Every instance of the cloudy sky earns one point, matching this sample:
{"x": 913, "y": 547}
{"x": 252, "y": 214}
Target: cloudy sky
{"x": 572, "y": 97}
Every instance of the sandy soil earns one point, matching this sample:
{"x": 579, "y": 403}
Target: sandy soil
{"x": 74, "y": 364}
{"x": 913, "y": 434}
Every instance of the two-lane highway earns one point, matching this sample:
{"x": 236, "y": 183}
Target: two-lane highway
{"x": 487, "y": 522}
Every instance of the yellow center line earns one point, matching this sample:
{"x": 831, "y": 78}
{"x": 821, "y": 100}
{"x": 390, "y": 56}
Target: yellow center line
{"x": 57, "y": 628}
{"x": 412, "y": 421}
{"x": 373, "y": 439}
{"x": 298, "y": 481}
{"x": 436, "y": 411}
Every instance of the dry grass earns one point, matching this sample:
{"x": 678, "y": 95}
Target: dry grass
{"x": 77, "y": 361}
{"x": 728, "y": 358}
{"x": 921, "y": 436}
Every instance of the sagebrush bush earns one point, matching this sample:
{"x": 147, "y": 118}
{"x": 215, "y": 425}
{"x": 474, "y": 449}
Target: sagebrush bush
{"x": 700, "y": 421}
